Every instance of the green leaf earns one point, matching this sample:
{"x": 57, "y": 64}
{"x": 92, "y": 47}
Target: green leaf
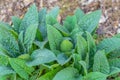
{"x": 91, "y": 50}
{"x": 95, "y": 76}
{"x": 68, "y": 73}
{"x": 115, "y": 62}
{"x": 62, "y": 29}
{"x": 3, "y": 60}
{"x": 101, "y": 63}
{"x": 3, "y": 77}
{"x": 51, "y": 17}
{"x": 42, "y": 22}
{"x": 90, "y": 21}
{"x": 70, "y": 23}
{"x": 54, "y": 37}
{"x": 84, "y": 65}
{"x": 5, "y": 70}
{"x": 114, "y": 54}
{"x": 77, "y": 58}
{"x": 91, "y": 43}
{"x": 30, "y": 36}
{"x": 62, "y": 59}
{"x": 54, "y": 12}
{"x": 16, "y": 22}
{"x": 49, "y": 75}
{"x": 20, "y": 67}
{"x": 41, "y": 44}
{"x": 81, "y": 46}
{"x": 114, "y": 70}
{"x": 79, "y": 14}
{"x": 51, "y": 20}
{"x": 8, "y": 41}
{"x": 6, "y": 25}
{"x": 109, "y": 44}
{"x": 30, "y": 18}
{"x": 41, "y": 56}
{"x": 21, "y": 43}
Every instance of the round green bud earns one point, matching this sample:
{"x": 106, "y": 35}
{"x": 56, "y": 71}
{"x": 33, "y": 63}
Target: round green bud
{"x": 66, "y": 45}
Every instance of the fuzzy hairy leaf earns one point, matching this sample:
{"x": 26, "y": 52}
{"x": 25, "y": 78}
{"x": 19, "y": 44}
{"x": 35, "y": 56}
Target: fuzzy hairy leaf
{"x": 51, "y": 20}
{"x": 8, "y": 41}
{"x": 91, "y": 43}
{"x": 79, "y": 14}
{"x": 77, "y": 58}
{"x": 101, "y": 63}
{"x": 41, "y": 56}
{"x": 109, "y": 44}
{"x": 5, "y": 70}
{"x": 95, "y": 76}
{"x": 90, "y": 21}
{"x": 16, "y": 22}
{"x": 30, "y": 36}
{"x": 91, "y": 49}
{"x": 42, "y": 22}
{"x": 54, "y": 37}
{"x": 41, "y": 44}
{"x": 70, "y": 23}
{"x": 68, "y": 73}
{"x": 30, "y": 18}
{"x": 84, "y": 65}
{"x": 114, "y": 70}
{"x": 20, "y": 67}
{"x": 54, "y": 12}
{"x": 22, "y": 48}
{"x": 62, "y": 59}
{"x": 81, "y": 46}
{"x": 3, "y": 60}
{"x": 62, "y": 29}
{"x": 114, "y": 54}
{"x": 51, "y": 17}
{"x": 115, "y": 62}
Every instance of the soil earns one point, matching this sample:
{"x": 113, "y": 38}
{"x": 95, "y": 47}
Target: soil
{"x": 109, "y": 22}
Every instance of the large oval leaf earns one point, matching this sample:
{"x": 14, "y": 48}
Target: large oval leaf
{"x": 95, "y": 76}
{"x": 5, "y": 70}
{"x": 16, "y": 22}
{"x": 8, "y": 41}
{"x": 20, "y": 67}
{"x": 30, "y": 18}
{"x": 90, "y": 21}
{"x": 42, "y": 22}
{"x": 109, "y": 44}
{"x": 101, "y": 63}
{"x": 41, "y": 56}
{"x": 30, "y": 36}
{"x": 79, "y": 14}
{"x": 81, "y": 46}
{"x": 115, "y": 62}
{"x": 68, "y": 73}
{"x": 54, "y": 37}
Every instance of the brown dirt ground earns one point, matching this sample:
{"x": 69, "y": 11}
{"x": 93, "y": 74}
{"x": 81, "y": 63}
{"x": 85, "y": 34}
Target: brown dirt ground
{"x": 109, "y": 22}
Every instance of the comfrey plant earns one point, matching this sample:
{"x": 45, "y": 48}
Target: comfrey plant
{"x": 38, "y": 47}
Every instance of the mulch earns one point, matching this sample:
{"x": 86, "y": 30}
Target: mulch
{"x": 109, "y": 22}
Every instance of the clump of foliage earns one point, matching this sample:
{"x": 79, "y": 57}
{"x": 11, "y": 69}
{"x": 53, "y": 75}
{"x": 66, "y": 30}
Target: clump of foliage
{"x": 38, "y": 47}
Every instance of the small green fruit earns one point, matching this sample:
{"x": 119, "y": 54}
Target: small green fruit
{"x": 66, "y": 45}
